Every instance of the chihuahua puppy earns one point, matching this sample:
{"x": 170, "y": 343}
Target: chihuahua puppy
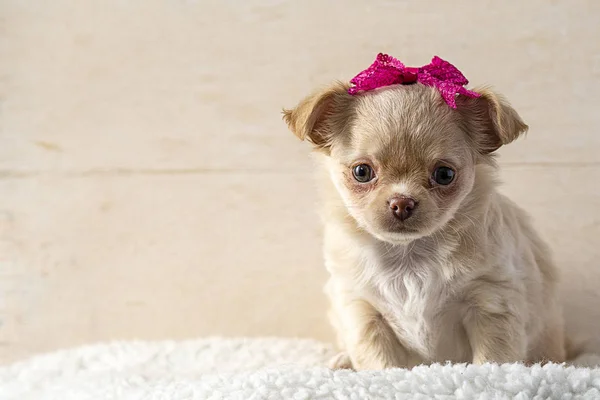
{"x": 427, "y": 261}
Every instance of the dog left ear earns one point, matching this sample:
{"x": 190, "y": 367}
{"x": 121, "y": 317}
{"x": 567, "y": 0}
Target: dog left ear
{"x": 490, "y": 120}
{"x": 320, "y": 115}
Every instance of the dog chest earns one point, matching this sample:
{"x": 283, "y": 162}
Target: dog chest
{"x": 422, "y": 312}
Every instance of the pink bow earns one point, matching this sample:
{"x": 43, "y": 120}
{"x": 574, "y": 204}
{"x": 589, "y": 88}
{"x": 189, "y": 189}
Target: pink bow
{"x": 387, "y": 70}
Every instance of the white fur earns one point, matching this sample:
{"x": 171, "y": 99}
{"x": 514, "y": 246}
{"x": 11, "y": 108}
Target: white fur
{"x": 274, "y": 369}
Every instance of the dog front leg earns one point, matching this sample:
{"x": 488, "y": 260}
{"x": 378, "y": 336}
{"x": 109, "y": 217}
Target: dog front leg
{"x": 495, "y": 337}
{"x": 371, "y": 343}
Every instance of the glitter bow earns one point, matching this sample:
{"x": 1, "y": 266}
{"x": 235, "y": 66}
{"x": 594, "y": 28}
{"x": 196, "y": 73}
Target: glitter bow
{"x": 387, "y": 70}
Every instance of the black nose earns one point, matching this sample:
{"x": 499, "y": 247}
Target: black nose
{"x": 402, "y": 207}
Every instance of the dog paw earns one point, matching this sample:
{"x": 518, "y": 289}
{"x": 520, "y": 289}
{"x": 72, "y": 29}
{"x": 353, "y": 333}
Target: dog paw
{"x": 586, "y": 360}
{"x": 340, "y": 361}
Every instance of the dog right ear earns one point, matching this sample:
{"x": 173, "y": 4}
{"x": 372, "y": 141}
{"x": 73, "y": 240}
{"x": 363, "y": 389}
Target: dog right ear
{"x": 320, "y": 115}
{"x": 490, "y": 120}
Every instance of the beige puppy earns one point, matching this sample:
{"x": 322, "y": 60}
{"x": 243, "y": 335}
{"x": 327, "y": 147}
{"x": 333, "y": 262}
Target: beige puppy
{"x": 428, "y": 261}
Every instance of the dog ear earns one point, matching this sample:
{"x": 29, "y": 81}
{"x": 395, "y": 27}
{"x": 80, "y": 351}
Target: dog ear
{"x": 319, "y": 116}
{"x": 490, "y": 120}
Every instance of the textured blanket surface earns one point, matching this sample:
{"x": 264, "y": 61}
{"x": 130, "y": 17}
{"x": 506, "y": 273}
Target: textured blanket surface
{"x": 252, "y": 369}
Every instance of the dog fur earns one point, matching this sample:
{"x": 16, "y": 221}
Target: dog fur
{"x": 465, "y": 278}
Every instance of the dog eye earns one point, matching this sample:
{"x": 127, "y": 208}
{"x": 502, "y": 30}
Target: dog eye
{"x": 363, "y": 173}
{"x": 443, "y": 175}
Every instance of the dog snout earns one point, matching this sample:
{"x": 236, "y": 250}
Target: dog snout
{"x": 402, "y": 206}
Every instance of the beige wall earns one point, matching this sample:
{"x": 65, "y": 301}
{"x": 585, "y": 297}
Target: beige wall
{"x": 148, "y": 188}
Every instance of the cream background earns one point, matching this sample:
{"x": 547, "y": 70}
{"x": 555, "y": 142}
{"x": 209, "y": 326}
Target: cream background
{"x": 149, "y": 189}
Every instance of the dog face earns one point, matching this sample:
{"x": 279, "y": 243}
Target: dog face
{"x": 402, "y": 160}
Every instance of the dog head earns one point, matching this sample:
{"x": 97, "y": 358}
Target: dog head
{"x": 401, "y": 159}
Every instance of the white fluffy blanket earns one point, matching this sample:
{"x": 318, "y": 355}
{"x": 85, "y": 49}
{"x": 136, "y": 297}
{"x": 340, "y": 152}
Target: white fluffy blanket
{"x": 252, "y": 369}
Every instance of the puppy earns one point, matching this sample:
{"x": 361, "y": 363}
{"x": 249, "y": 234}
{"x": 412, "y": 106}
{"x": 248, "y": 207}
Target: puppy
{"x": 427, "y": 261}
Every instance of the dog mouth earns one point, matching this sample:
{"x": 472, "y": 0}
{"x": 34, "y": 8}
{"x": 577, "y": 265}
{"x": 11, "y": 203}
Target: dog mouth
{"x": 401, "y": 228}
{"x": 399, "y": 235}
{"x": 405, "y": 230}
{"x": 404, "y": 233}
